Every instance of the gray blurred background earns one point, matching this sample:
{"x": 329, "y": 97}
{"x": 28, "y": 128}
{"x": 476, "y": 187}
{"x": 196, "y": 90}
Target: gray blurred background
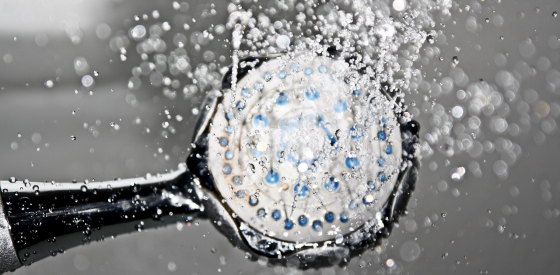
{"x": 475, "y": 225}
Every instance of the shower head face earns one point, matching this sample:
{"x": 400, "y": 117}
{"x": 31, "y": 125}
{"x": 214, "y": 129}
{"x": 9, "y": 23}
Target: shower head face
{"x": 305, "y": 150}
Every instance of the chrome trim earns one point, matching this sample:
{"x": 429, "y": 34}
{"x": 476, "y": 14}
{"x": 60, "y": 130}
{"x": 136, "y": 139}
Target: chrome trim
{"x": 208, "y": 109}
{"x": 8, "y": 255}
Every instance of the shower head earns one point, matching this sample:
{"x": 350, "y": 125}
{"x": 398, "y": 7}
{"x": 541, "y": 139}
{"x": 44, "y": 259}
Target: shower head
{"x": 299, "y": 156}
{"x": 305, "y": 155}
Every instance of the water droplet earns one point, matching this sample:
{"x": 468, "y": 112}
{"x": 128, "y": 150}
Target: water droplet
{"x": 139, "y": 226}
{"x": 138, "y": 32}
{"x": 458, "y": 174}
{"x": 171, "y": 266}
{"x": 24, "y": 203}
{"x": 87, "y": 81}
{"x": 49, "y": 83}
{"x": 283, "y": 41}
{"x": 338, "y": 239}
{"x": 399, "y": 5}
{"x": 455, "y": 60}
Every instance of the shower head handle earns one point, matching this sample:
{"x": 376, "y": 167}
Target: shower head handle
{"x": 41, "y": 219}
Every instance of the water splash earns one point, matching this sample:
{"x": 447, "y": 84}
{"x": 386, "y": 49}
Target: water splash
{"x": 395, "y": 43}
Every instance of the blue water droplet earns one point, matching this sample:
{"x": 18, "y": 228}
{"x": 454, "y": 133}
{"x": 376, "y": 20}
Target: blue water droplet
{"x": 315, "y": 165}
{"x": 308, "y": 71}
{"x": 357, "y": 92}
{"x": 260, "y": 121}
{"x": 353, "y": 205}
{"x": 371, "y": 185}
{"x": 282, "y": 99}
{"x": 302, "y": 220}
{"x": 288, "y": 224}
{"x": 331, "y": 185}
{"x": 229, "y": 115}
{"x": 389, "y": 150}
{"x": 236, "y": 180}
{"x": 253, "y": 200}
{"x": 245, "y": 92}
{"x": 329, "y": 217}
{"x": 289, "y": 124}
{"x": 261, "y": 213}
{"x": 276, "y": 215}
{"x": 344, "y": 217}
{"x": 340, "y": 106}
{"x": 301, "y": 190}
{"x": 259, "y": 86}
{"x": 230, "y": 129}
{"x": 240, "y": 105}
{"x": 224, "y": 142}
{"x": 256, "y": 153}
{"x": 267, "y": 76}
{"x": 317, "y": 225}
{"x": 293, "y": 158}
{"x": 229, "y": 154}
{"x": 382, "y": 177}
{"x": 312, "y": 93}
{"x": 352, "y": 162}
{"x": 226, "y": 169}
{"x": 272, "y": 177}
{"x": 282, "y": 75}
{"x": 380, "y": 162}
{"x": 322, "y": 69}
{"x": 240, "y": 194}
{"x": 381, "y": 135}
{"x": 356, "y": 132}
{"x": 294, "y": 67}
